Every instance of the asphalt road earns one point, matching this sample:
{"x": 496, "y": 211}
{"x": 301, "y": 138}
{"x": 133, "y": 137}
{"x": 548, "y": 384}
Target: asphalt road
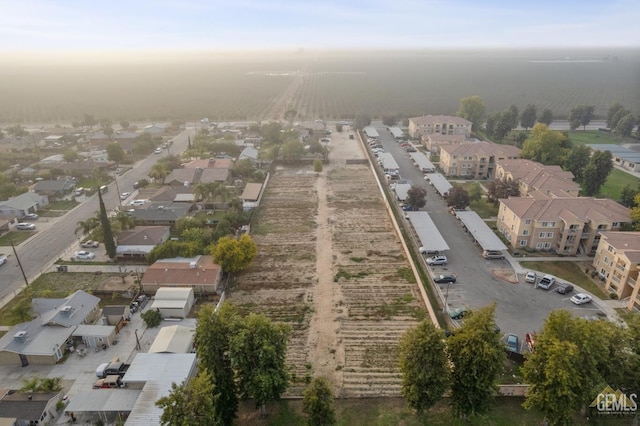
{"x": 520, "y": 308}
{"x": 55, "y": 236}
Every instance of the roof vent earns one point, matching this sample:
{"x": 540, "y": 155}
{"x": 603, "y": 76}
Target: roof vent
{"x": 20, "y": 336}
{"x": 66, "y": 309}
{"x": 192, "y": 265}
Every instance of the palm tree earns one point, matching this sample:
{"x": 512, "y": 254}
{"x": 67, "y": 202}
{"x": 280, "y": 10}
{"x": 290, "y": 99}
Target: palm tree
{"x": 159, "y": 172}
{"x": 88, "y": 225}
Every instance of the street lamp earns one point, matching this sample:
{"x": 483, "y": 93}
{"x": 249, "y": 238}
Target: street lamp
{"x": 446, "y": 297}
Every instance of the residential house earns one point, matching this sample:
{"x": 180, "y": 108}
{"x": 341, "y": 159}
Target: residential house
{"x": 198, "y": 273}
{"x": 28, "y": 408}
{"x": 627, "y": 158}
{"x": 43, "y": 339}
{"x": 159, "y": 213}
{"x": 443, "y": 124}
{"x": 84, "y": 167}
{"x": 20, "y": 205}
{"x": 532, "y": 176}
{"x": 215, "y": 175}
{"x": 155, "y": 128}
{"x": 567, "y": 226}
{"x": 134, "y": 245}
{"x": 617, "y": 262}
{"x": 52, "y": 160}
{"x": 474, "y": 160}
{"x": 184, "y": 177}
{"x": 250, "y": 196}
{"x": 54, "y": 188}
{"x": 249, "y": 153}
{"x": 433, "y": 141}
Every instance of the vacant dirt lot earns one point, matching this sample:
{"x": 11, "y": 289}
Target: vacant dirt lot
{"x": 330, "y": 264}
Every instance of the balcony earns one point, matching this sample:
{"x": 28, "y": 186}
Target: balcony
{"x": 631, "y": 282}
{"x": 620, "y": 267}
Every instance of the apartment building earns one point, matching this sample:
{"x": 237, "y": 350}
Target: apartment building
{"x": 442, "y": 124}
{"x": 433, "y": 141}
{"x": 475, "y": 160}
{"x": 536, "y": 178}
{"x": 567, "y": 226}
{"x": 617, "y": 262}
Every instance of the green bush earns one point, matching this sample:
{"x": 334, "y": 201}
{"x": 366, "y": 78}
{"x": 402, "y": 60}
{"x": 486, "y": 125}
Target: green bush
{"x": 152, "y": 318}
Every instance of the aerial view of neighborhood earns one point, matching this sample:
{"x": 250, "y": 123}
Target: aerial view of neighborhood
{"x": 237, "y": 215}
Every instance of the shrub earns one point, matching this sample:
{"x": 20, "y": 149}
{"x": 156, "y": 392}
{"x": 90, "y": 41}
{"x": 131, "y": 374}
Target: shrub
{"x": 152, "y": 318}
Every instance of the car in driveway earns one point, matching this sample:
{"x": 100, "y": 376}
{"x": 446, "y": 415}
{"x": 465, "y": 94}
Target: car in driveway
{"x": 84, "y": 255}
{"x": 458, "y": 313}
{"x": 3, "y": 259}
{"x": 493, "y": 254}
{"x": 564, "y": 289}
{"x": 22, "y": 226}
{"x": 30, "y": 216}
{"x": 546, "y": 282}
{"x": 437, "y": 260}
{"x": 531, "y": 277}
{"x": 512, "y": 342}
{"x": 89, "y": 244}
{"x": 581, "y": 298}
{"x": 445, "y": 278}
{"x": 125, "y": 195}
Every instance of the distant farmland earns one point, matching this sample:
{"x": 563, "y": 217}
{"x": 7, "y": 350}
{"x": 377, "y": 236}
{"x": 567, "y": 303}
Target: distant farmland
{"x": 332, "y": 85}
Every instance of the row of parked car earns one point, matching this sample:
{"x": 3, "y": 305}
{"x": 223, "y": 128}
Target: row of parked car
{"x": 547, "y": 281}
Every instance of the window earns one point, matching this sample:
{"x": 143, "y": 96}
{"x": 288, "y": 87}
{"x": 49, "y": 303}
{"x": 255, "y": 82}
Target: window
{"x": 525, "y": 232}
{"x": 547, "y": 245}
{"x": 544, "y": 224}
{"x": 541, "y": 235}
{"x": 606, "y": 260}
{"x": 549, "y": 234}
{"x": 527, "y": 222}
{"x": 539, "y": 245}
{"x": 553, "y": 224}
{"x": 523, "y": 242}
{"x": 610, "y": 248}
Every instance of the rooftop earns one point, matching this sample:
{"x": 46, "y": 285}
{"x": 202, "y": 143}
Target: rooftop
{"x": 582, "y": 208}
{"x": 481, "y": 148}
{"x": 143, "y": 235}
{"x": 439, "y": 119}
{"x": 199, "y": 270}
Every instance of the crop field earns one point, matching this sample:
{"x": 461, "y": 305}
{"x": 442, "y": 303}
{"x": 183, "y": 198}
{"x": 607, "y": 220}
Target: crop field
{"x": 330, "y": 264}
{"x": 318, "y": 85}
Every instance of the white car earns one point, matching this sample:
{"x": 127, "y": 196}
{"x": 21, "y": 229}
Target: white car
{"x": 23, "y": 226}
{"x": 30, "y": 216}
{"x": 437, "y": 260}
{"x": 581, "y": 298}
{"x": 84, "y": 255}
{"x": 3, "y": 259}
{"x": 137, "y": 203}
{"x": 124, "y": 195}
{"x": 531, "y": 277}
{"x": 158, "y": 151}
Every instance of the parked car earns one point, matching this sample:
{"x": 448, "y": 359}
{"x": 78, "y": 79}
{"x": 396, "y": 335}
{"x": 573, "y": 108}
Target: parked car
{"x": 119, "y": 171}
{"x": 512, "y": 342}
{"x": 458, "y": 313}
{"x": 437, "y": 260}
{"x": 125, "y": 195}
{"x": 546, "y": 282}
{"x": 84, "y": 255}
{"x": 493, "y": 254}
{"x": 158, "y": 151}
{"x": 90, "y": 244}
{"x": 565, "y": 289}
{"x": 22, "y": 226}
{"x": 3, "y": 259}
{"x": 109, "y": 382}
{"x": 137, "y": 203}
{"x": 531, "y": 277}
{"x": 445, "y": 278}
{"x": 581, "y": 298}
{"x": 30, "y": 216}
{"x": 136, "y": 185}
{"x": 78, "y": 192}
{"x": 410, "y": 209}
{"x": 423, "y": 250}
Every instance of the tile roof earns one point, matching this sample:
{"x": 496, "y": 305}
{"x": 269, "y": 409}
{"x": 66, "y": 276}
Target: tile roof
{"x": 439, "y": 119}
{"x": 168, "y": 271}
{"x": 582, "y": 208}
{"x": 480, "y": 148}
{"x": 624, "y": 242}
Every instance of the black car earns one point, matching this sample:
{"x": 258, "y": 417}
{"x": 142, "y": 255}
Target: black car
{"x": 565, "y": 289}
{"x": 445, "y": 278}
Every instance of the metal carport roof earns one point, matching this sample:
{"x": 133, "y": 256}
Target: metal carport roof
{"x": 103, "y": 400}
{"x": 422, "y": 161}
{"x": 481, "y": 232}
{"x": 402, "y": 190}
{"x": 428, "y": 233}
{"x": 439, "y": 182}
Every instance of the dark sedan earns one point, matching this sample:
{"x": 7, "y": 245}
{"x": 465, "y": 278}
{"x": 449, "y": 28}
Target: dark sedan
{"x": 445, "y": 278}
{"x": 565, "y": 289}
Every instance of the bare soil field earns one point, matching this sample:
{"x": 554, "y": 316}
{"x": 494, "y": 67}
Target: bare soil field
{"x": 331, "y": 265}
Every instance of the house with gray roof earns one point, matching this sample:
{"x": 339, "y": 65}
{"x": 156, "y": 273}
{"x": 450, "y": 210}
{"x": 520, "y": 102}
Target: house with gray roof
{"x": 185, "y": 177}
{"x": 43, "y": 339}
{"x": 249, "y": 153}
{"x": 54, "y": 188}
{"x": 136, "y": 244}
{"x": 161, "y": 213}
{"x": 29, "y": 408}
{"x": 20, "y": 205}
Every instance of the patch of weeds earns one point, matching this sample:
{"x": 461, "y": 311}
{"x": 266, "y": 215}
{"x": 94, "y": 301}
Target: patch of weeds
{"x": 348, "y": 275}
{"x": 339, "y": 368}
{"x": 356, "y": 259}
{"x": 406, "y": 274}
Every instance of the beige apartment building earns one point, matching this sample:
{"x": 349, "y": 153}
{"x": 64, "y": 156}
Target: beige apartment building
{"x": 617, "y": 262}
{"x": 534, "y": 178}
{"x": 475, "y": 160}
{"x": 567, "y": 226}
{"x": 433, "y": 141}
{"x": 442, "y": 124}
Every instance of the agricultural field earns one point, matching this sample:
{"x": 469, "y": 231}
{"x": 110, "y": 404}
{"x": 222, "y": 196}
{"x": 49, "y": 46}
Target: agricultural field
{"x": 329, "y": 85}
{"x": 330, "y": 264}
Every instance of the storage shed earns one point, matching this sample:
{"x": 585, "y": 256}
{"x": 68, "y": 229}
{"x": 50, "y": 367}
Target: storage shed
{"x": 173, "y": 302}
{"x": 174, "y": 339}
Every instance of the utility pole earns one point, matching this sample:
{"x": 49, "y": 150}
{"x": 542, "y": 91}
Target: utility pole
{"x": 19, "y": 264}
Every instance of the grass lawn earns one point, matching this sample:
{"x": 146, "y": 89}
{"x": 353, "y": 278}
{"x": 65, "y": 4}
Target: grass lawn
{"x": 16, "y": 236}
{"x": 393, "y": 411}
{"x": 593, "y": 136}
{"x": 62, "y": 205}
{"x": 617, "y": 180}
{"x": 568, "y": 271}
{"x": 484, "y": 208}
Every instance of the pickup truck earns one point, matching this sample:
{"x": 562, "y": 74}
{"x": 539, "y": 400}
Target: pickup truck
{"x": 113, "y": 368}
{"x": 110, "y": 382}
{"x": 546, "y": 282}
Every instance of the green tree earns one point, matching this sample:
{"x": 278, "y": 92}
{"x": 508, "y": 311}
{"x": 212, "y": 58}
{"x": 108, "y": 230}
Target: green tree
{"x": 416, "y": 197}
{"x": 458, "y": 198}
{"x": 361, "y": 121}
{"x": 472, "y": 108}
{"x": 500, "y": 124}
{"x": 317, "y": 165}
{"x": 258, "y": 354}
{"x": 477, "y": 356}
{"x": 502, "y": 188}
{"x": 581, "y": 116}
{"x": 89, "y": 120}
{"x": 546, "y": 146}
{"x": 292, "y": 150}
{"x": 115, "y": 152}
{"x": 191, "y": 403}
{"x": 213, "y": 338}
{"x": 233, "y": 254}
{"x": 317, "y": 403}
{"x": 635, "y": 213}
{"x": 88, "y": 225}
{"x": 21, "y": 312}
{"x": 389, "y": 120}
{"x": 159, "y": 172}
{"x": 595, "y": 173}
{"x": 109, "y": 241}
{"x": 290, "y": 115}
{"x": 627, "y": 196}
{"x": 546, "y": 117}
{"x": 590, "y": 184}
{"x": 577, "y": 159}
{"x": 528, "y": 116}
{"x": 107, "y": 127}
{"x": 513, "y": 114}
{"x": 124, "y": 124}
{"x": 16, "y": 131}
{"x": 475, "y": 192}
{"x": 70, "y": 155}
{"x": 614, "y": 114}
{"x": 424, "y": 366}
{"x": 625, "y": 125}
{"x": 151, "y": 318}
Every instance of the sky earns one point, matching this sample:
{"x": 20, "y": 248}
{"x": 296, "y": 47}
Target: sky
{"x": 68, "y": 25}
